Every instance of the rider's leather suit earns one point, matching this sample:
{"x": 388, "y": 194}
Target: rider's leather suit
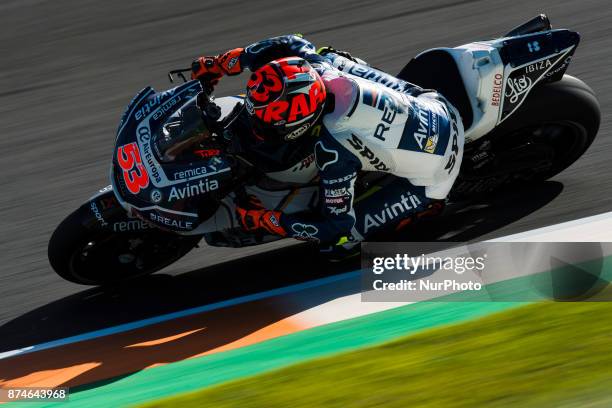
{"x": 376, "y": 123}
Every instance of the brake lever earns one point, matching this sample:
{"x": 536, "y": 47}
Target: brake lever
{"x": 206, "y": 86}
{"x": 180, "y": 73}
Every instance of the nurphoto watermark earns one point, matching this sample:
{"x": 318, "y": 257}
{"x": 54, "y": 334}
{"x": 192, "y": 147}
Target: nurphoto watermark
{"x": 486, "y": 271}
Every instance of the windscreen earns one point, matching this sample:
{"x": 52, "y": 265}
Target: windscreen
{"x": 181, "y": 134}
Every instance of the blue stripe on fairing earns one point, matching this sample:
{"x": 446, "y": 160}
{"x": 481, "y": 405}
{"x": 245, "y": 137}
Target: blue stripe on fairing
{"x": 183, "y": 313}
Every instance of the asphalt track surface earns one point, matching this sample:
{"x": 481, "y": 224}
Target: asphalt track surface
{"x": 67, "y": 70}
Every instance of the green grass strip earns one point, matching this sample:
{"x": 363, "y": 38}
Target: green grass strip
{"x": 540, "y": 355}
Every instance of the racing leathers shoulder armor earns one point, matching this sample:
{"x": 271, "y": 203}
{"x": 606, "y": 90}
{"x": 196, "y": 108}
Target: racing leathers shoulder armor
{"x": 379, "y": 123}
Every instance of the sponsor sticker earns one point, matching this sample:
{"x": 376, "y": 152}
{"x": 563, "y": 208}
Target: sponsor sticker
{"x": 407, "y": 203}
{"x": 96, "y": 212}
{"x": 427, "y": 128}
{"x": 341, "y": 179}
{"x": 432, "y": 142}
{"x": 452, "y": 160}
{"x": 156, "y": 196}
{"x": 192, "y": 190}
{"x": 521, "y": 81}
{"x": 367, "y": 153}
{"x": 305, "y": 232}
{"x": 498, "y": 81}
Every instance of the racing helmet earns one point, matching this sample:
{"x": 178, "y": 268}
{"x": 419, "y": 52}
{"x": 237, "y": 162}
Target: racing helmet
{"x": 284, "y": 99}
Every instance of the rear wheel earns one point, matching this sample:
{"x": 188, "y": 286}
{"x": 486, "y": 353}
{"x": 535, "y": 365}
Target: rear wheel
{"x": 550, "y": 131}
{"x": 92, "y": 256}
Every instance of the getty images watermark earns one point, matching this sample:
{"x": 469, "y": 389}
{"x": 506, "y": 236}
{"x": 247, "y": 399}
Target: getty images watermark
{"x": 427, "y": 265}
{"x": 488, "y": 271}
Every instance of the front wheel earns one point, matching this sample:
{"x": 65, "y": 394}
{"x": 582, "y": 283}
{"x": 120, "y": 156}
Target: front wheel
{"x": 550, "y": 131}
{"x": 92, "y": 256}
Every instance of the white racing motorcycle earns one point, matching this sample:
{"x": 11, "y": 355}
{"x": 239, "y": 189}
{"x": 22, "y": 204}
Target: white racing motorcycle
{"x": 524, "y": 120}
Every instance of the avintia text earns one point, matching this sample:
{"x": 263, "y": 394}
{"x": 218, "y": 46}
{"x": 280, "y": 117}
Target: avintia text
{"x": 192, "y": 190}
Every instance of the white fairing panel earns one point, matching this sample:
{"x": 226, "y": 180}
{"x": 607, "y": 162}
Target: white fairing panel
{"x": 495, "y": 91}
{"x": 482, "y": 70}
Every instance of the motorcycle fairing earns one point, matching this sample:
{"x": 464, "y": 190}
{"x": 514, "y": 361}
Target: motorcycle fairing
{"x": 496, "y": 75}
{"x": 521, "y": 50}
{"x": 106, "y": 213}
{"x": 533, "y": 58}
{"x": 155, "y": 200}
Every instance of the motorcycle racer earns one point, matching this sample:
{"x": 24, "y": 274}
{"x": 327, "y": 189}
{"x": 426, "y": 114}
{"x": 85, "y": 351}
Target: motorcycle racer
{"x": 183, "y": 160}
{"x": 299, "y": 101}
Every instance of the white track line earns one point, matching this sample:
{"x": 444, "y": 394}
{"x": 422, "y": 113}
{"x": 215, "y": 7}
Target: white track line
{"x": 175, "y": 315}
{"x": 597, "y": 228}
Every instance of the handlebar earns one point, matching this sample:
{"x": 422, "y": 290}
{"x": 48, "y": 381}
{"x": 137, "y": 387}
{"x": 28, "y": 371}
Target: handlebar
{"x": 180, "y": 73}
{"x": 206, "y": 86}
